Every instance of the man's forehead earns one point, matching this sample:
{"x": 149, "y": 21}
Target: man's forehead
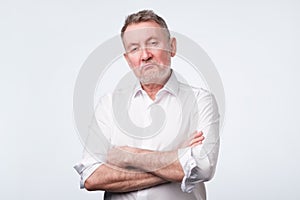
{"x": 142, "y": 25}
{"x": 143, "y": 32}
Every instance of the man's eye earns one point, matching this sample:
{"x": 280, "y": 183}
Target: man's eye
{"x": 154, "y": 43}
{"x": 133, "y": 49}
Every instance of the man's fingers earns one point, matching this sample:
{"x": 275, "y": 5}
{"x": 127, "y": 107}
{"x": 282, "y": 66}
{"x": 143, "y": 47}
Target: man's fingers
{"x": 198, "y": 134}
{"x": 193, "y": 145}
{"x": 197, "y": 140}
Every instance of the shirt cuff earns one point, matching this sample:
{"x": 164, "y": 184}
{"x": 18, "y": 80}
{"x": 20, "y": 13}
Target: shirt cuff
{"x": 85, "y": 171}
{"x": 188, "y": 163}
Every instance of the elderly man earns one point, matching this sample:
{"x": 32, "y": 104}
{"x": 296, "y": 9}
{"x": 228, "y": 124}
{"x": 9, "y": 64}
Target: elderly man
{"x": 175, "y": 160}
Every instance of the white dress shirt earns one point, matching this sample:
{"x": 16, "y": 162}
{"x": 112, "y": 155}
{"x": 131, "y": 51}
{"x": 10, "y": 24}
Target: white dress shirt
{"x": 186, "y": 110}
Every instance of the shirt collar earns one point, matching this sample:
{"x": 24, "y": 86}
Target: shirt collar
{"x": 171, "y": 86}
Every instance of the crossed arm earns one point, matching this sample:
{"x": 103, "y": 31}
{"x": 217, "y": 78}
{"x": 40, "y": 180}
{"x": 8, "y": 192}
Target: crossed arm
{"x": 129, "y": 169}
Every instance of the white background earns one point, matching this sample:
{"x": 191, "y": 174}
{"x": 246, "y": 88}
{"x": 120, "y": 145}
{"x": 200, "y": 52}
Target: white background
{"x": 254, "y": 45}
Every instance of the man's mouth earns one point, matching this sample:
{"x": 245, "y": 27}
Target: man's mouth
{"x": 147, "y": 66}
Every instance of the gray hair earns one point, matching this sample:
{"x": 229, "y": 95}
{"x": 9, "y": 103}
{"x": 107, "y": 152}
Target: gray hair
{"x": 144, "y": 16}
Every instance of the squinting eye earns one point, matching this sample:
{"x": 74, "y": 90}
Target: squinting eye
{"x": 154, "y": 43}
{"x": 133, "y": 50}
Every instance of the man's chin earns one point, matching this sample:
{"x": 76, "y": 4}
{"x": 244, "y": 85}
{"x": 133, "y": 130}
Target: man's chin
{"x": 152, "y": 76}
{"x": 150, "y": 70}
{"x": 153, "y": 80}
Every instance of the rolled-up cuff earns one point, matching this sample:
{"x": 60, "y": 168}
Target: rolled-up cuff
{"x": 188, "y": 163}
{"x": 85, "y": 172}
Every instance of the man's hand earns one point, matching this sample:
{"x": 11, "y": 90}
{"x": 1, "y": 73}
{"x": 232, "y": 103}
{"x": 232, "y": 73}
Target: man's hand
{"x": 196, "y": 139}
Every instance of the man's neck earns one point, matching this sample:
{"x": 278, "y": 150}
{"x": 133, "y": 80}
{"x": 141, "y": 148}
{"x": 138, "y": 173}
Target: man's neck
{"x": 152, "y": 89}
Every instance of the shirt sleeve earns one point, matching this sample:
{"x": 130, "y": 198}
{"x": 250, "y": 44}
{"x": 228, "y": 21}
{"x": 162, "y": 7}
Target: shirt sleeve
{"x": 199, "y": 162}
{"x": 86, "y": 167}
{"x": 97, "y": 142}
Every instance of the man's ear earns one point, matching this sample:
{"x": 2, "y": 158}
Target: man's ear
{"x": 173, "y": 44}
{"x": 127, "y": 59}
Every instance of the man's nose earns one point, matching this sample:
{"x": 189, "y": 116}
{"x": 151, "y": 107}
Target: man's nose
{"x": 146, "y": 54}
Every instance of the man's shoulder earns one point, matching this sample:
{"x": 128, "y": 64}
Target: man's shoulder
{"x": 198, "y": 92}
{"x": 114, "y": 98}
{"x": 103, "y": 102}
{"x": 105, "y": 98}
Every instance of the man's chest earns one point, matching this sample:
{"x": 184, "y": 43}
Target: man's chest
{"x": 155, "y": 125}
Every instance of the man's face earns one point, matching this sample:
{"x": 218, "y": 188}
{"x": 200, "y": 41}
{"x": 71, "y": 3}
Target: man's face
{"x": 149, "y": 51}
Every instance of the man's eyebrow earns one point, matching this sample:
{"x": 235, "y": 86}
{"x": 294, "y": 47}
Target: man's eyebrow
{"x": 132, "y": 44}
{"x": 136, "y": 43}
{"x": 152, "y": 38}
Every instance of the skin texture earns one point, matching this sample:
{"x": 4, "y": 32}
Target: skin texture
{"x": 113, "y": 179}
{"x": 148, "y": 54}
{"x": 116, "y": 176}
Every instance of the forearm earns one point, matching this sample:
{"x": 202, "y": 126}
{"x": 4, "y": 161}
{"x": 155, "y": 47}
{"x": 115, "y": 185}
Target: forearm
{"x": 163, "y": 164}
{"x": 113, "y": 179}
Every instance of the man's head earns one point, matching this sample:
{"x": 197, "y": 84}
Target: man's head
{"x": 144, "y": 16}
{"x": 148, "y": 46}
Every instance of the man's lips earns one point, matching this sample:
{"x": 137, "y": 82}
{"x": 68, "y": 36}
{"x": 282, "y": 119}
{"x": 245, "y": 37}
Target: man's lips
{"x": 148, "y": 66}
